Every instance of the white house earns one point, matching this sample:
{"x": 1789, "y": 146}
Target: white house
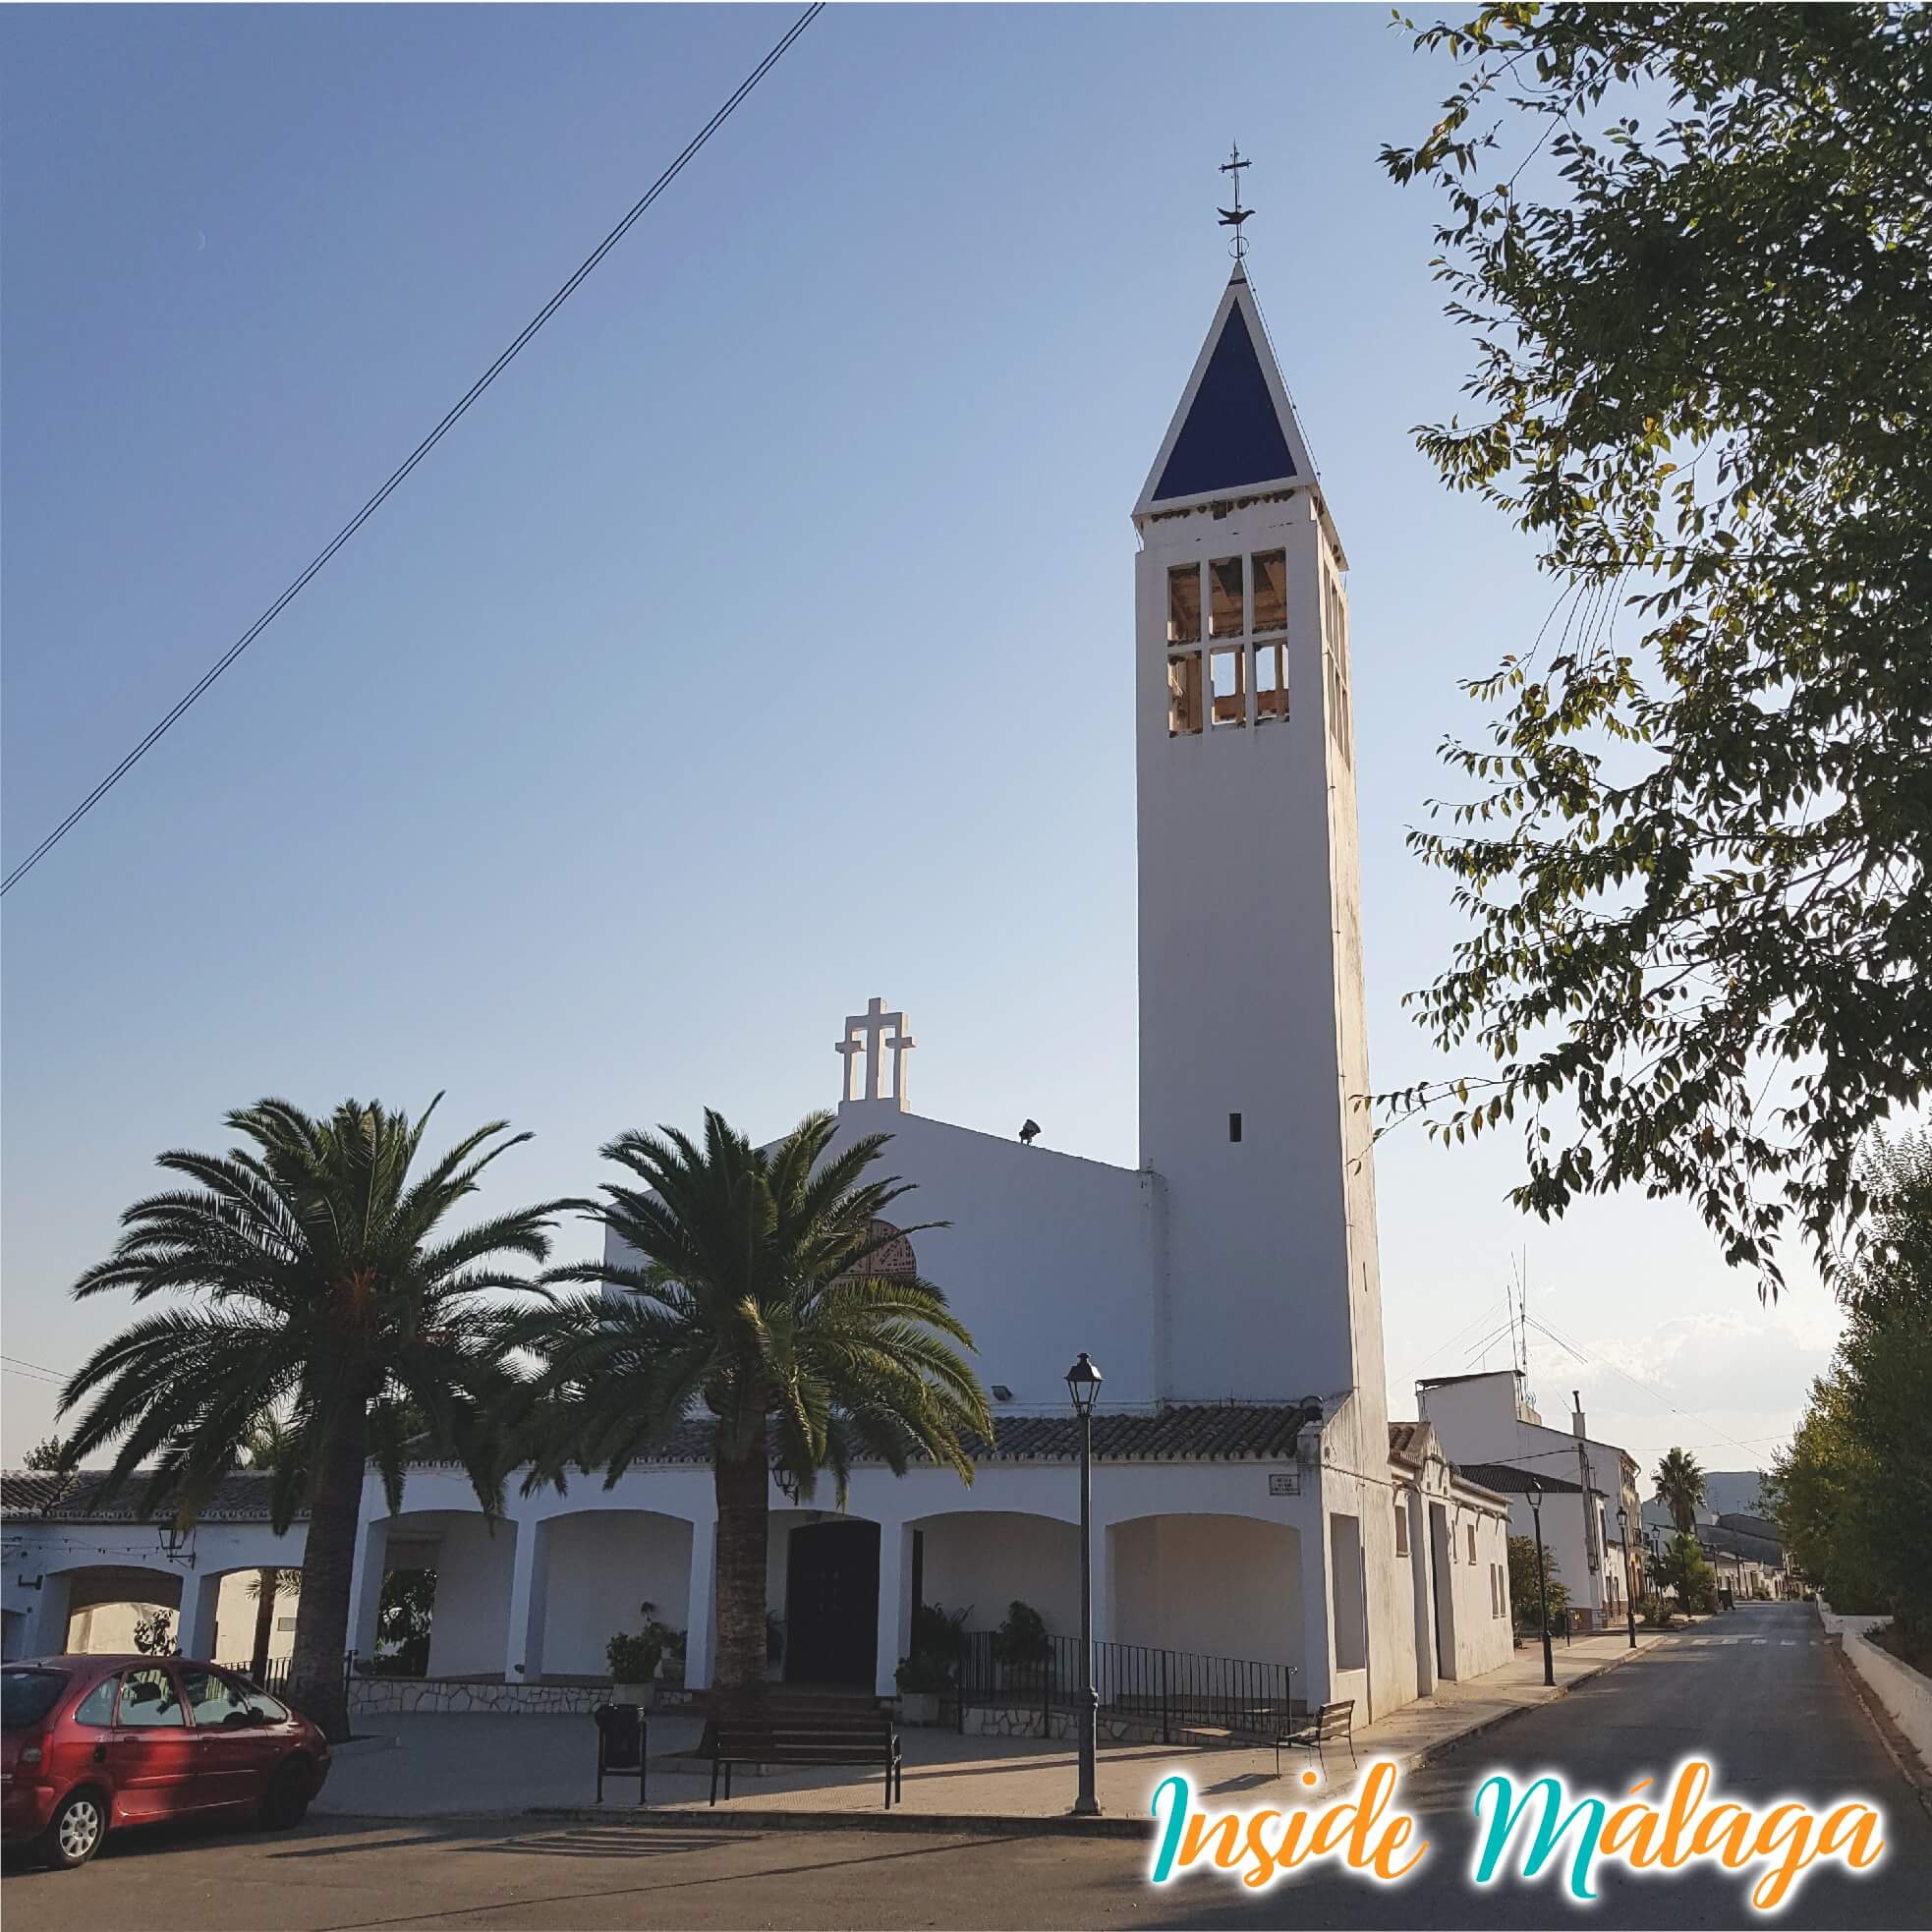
{"x": 1251, "y": 1498}
{"x": 1491, "y": 1430}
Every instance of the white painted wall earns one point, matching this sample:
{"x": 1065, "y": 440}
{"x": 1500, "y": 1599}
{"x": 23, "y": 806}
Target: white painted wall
{"x": 1484, "y": 1418}
{"x": 981, "y": 1561}
{"x": 469, "y": 1628}
{"x": 1223, "y": 1586}
{"x": 1046, "y": 1254}
{"x": 1251, "y": 1002}
{"x": 1484, "y": 1632}
{"x": 1904, "y": 1692}
{"x": 602, "y": 1565}
{"x": 1562, "y": 1538}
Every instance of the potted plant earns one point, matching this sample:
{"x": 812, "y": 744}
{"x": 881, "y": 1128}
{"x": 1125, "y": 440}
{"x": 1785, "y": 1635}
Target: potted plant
{"x": 921, "y": 1681}
{"x": 671, "y": 1669}
{"x": 634, "y": 1657}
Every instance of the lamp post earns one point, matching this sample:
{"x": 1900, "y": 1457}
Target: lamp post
{"x": 1629, "y": 1576}
{"x": 1083, "y": 1384}
{"x": 1542, "y": 1582}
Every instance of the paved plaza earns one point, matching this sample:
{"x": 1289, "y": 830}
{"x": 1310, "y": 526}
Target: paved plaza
{"x": 430, "y": 1766}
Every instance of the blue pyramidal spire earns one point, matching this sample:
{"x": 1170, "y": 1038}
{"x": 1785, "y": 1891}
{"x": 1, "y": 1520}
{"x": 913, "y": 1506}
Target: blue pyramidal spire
{"x": 1232, "y": 437}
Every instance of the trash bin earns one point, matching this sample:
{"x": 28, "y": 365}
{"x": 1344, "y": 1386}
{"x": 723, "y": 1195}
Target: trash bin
{"x": 622, "y": 1743}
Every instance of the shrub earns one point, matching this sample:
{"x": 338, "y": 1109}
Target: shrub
{"x": 922, "y": 1672}
{"x": 1523, "y": 1596}
{"x": 1022, "y": 1640}
{"x": 634, "y": 1657}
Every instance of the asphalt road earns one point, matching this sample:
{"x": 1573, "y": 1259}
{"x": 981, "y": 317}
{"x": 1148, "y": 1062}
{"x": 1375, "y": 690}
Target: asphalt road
{"x": 1756, "y": 1692}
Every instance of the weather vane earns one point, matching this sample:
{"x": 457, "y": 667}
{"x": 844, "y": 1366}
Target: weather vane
{"x": 1233, "y": 217}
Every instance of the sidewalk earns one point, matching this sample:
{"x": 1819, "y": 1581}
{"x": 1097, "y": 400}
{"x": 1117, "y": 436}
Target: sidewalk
{"x": 445, "y": 1766}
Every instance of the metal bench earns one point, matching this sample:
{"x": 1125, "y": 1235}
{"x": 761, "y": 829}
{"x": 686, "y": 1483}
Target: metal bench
{"x": 1333, "y": 1723}
{"x": 788, "y": 1731}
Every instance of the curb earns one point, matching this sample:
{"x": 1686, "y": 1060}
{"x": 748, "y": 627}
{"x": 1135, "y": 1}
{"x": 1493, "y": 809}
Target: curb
{"x": 963, "y": 1825}
{"x": 1431, "y": 1753}
{"x": 1904, "y": 1759}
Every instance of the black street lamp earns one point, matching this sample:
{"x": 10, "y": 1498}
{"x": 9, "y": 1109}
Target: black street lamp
{"x": 1542, "y": 1582}
{"x": 1083, "y": 1384}
{"x": 1629, "y": 1576}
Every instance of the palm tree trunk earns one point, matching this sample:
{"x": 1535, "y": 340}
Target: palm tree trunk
{"x": 264, "y": 1622}
{"x": 329, "y": 1564}
{"x": 743, "y": 1488}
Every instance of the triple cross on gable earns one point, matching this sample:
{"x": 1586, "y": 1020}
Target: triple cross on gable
{"x": 866, "y": 1033}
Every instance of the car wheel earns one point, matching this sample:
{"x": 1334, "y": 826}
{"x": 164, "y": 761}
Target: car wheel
{"x": 288, "y": 1795}
{"x": 76, "y": 1829}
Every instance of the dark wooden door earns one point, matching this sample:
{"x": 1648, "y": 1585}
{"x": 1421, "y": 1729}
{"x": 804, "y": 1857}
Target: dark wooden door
{"x": 832, "y": 1605}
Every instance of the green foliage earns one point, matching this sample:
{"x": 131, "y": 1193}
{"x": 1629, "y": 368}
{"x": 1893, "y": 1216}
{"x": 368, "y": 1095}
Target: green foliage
{"x": 1681, "y": 1487}
{"x": 1694, "y": 249}
{"x": 635, "y": 1656}
{"x": 1523, "y": 1594}
{"x": 752, "y": 1306}
{"x": 53, "y": 1457}
{"x": 1022, "y": 1640}
{"x": 332, "y": 1307}
{"x": 923, "y": 1673}
{"x": 938, "y": 1638}
{"x": 155, "y": 1633}
{"x": 1654, "y": 1613}
{"x": 1686, "y": 1569}
{"x": 402, "y": 1621}
{"x": 938, "y": 1631}
{"x": 1852, "y": 1495}
{"x": 326, "y": 1289}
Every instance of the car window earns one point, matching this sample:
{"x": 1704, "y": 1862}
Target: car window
{"x": 26, "y": 1696}
{"x": 97, "y": 1706}
{"x": 271, "y": 1708}
{"x": 213, "y": 1698}
{"x": 148, "y": 1700}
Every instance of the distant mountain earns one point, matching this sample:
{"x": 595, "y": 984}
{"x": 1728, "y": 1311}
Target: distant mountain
{"x": 1726, "y": 1492}
{"x": 1733, "y": 1492}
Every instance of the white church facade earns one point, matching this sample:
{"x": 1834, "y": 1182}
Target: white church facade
{"x": 1251, "y": 1498}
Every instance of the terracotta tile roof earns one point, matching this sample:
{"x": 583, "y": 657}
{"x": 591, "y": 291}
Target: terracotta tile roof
{"x": 1403, "y": 1442}
{"x": 1177, "y": 1432}
{"x": 242, "y": 1498}
{"x": 1509, "y": 1481}
{"x": 1181, "y": 1432}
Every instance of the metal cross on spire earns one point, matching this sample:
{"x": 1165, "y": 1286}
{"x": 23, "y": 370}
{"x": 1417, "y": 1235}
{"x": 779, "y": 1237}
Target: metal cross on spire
{"x": 1233, "y": 217}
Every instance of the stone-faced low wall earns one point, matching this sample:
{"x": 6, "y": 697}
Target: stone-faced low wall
{"x": 380, "y": 1696}
{"x": 1029, "y": 1720}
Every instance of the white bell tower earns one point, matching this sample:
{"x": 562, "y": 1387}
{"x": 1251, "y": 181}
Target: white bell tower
{"x": 1253, "y": 1051}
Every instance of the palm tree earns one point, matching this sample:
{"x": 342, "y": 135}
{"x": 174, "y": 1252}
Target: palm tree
{"x": 327, "y": 1296}
{"x": 274, "y": 1448}
{"x": 1681, "y": 1487}
{"x": 751, "y": 1302}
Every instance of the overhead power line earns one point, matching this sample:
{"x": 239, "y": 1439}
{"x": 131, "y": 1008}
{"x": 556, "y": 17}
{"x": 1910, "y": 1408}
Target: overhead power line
{"x": 1637, "y": 1382}
{"x": 416, "y": 456}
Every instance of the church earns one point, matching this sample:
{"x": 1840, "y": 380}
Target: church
{"x": 1253, "y": 1502}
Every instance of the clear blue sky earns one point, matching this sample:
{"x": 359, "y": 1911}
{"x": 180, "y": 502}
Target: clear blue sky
{"x": 760, "y": 642}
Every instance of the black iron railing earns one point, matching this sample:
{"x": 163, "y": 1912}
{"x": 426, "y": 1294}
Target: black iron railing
{"x": 274, "y": 1678}
{"x": 1170, "y": 1689}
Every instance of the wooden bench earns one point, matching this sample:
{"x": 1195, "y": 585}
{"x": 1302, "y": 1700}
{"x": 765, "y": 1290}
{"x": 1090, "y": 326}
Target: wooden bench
{"x": 784, "y": 1730}
{"x": 1333, "y": 1723}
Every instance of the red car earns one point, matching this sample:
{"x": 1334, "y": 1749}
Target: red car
{"x": 92, "y": 1743}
